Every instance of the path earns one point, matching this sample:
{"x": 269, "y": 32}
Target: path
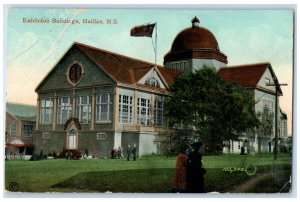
{"x": 243, "y": 187}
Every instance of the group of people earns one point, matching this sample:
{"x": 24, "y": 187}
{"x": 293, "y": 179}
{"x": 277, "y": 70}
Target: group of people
{"x": 131, "y": 151}
{"x": 189, "y": 173}
{"x": 118, "y": 153}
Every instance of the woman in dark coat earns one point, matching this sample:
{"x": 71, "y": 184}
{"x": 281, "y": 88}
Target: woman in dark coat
{"x": 195, "y": 171}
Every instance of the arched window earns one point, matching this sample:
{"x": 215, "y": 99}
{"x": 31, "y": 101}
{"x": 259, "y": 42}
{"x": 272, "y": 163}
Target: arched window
{"x": 152, "y": 82}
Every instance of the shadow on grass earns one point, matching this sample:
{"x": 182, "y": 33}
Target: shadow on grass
{"x": 126, "y": 181}
{"x": 145, "y": 181}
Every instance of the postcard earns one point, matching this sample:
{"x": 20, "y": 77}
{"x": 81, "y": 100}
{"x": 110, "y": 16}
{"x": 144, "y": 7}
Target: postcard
{"x": 148, "y": 100}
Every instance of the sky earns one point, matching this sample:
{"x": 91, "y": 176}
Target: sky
{"x": 245, "y": 36}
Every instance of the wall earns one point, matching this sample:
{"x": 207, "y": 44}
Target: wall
{"x": 147, "y": 145}
{"x": 199, "y": 63}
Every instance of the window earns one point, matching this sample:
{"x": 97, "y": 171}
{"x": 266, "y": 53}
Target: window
{"x": 180, "y": 66}
{"x": 267, "y": 80}
{"x": 104, "y": 107}
{"x": 101, "y": 136}
{"x": 177, "y": 65}
{"x": 125, "y": 109}
{"x": 185, "y": 64}
{"x": 46, "y": 135}
{"x": 64, "y": 109}
{"x": 158, "y": 111}
{"x": 75, "y": 73}
{"x": 268, "y": 105}
{"x": 12, "y": 129}
{"x": 46, "y": 111}
{"x": 28, "y": 130}
{"x": 143, "y": 111}
{"x": 83, "y": 109}
{"x": 152, "y": 82}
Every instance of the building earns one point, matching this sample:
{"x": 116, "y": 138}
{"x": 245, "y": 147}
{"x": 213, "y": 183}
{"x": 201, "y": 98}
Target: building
{"x": 19, "y": 129}
{"x": 196, "y": 46}
{"x": 255, "y": 78}
{"x": 98, "y": 100}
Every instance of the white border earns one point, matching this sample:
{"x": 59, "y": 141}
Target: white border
{"x": 159, "y": 4}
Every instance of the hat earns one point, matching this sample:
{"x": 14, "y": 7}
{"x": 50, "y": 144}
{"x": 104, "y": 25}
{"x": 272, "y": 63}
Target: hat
{"x": 196, "y": 144}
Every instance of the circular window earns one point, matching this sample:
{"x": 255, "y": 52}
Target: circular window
{"x": 75, "y": 73}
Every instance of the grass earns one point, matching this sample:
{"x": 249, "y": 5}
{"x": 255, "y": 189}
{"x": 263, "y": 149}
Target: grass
{"x": 272, "y": 184}
{"x": 149, "y": 174}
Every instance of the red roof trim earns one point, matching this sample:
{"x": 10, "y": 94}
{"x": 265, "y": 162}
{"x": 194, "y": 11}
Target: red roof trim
{"x": 112, "y": 53}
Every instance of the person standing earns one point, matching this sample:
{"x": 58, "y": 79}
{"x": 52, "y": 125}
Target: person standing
{"x": 128, "y": 153}
{"x": 179, "y": 179}
{"x": 169, "y": 151}
{"x": 194, "y": 171}
{"x": 134, "y": 152}
{"x": 119, "y": 152}
{"x": 112, "y": 153}
{"x": 86, "y": 154}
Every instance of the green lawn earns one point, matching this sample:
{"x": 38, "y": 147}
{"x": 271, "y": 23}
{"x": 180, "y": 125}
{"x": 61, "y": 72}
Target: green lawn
{"x": 149, "y": 174}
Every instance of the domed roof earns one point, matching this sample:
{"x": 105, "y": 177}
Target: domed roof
{"x": 195, "y": 37}
{"x": 195, "y": 42}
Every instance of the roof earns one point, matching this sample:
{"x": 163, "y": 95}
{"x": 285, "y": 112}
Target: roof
{"x": 246, "y": 75}
{"x": 195, "y": 42}
{"x": 124, "y": 69}
{"x": 194, "y": 38}
{"x": 22, "y": 111}
{"x": 18, "y": 143}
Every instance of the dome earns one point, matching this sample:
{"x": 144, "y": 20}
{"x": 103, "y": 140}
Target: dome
{"x": 195, "y": 42}
{"x": 195, "y": 38}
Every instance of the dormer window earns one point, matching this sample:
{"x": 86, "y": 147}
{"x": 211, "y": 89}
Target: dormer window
{"x": 152, "y": 82}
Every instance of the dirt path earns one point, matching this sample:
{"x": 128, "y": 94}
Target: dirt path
{"x": 243, "y": 187}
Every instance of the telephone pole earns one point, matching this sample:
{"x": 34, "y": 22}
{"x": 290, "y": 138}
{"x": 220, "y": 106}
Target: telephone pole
{"x": 277, "y": 86}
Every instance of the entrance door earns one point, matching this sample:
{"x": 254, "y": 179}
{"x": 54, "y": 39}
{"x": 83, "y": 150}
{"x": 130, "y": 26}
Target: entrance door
{"x": 72, "y": 139}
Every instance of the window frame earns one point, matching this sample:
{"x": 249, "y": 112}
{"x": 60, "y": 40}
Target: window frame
{"x": 12, "y": 123}
{"x": 101, "y": 136}
{"x": 123, "y": 104}
{"x": 80, "y": 108}
{"x": 144, "y": 111}
{"x": 152, "y": 81}
{"x": 109, "y": 108}
{"x": 60, "y": 109}
{"x": 43, "y": 111}
{"x": 26, "y": 134}
{"x": 46, "y": 135}
{"x": 158, "y": 112}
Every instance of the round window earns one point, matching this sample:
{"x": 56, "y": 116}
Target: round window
{"x": 75, "y": 73}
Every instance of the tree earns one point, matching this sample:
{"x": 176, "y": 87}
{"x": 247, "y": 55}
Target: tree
{"x": 216, "y": 110}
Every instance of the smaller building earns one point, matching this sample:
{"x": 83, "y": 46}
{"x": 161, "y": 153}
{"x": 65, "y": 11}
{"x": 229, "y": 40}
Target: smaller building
{"x": 256, "y": 79}
{"x": 20, "y": 125}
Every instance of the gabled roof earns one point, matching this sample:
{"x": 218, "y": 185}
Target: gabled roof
{"x": 22, "y": 111}
{"x": 247, "y": 75}
{"x": 124, "y": 69}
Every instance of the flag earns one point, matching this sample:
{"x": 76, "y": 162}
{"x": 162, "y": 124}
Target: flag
{"x": 142, "y": 30}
